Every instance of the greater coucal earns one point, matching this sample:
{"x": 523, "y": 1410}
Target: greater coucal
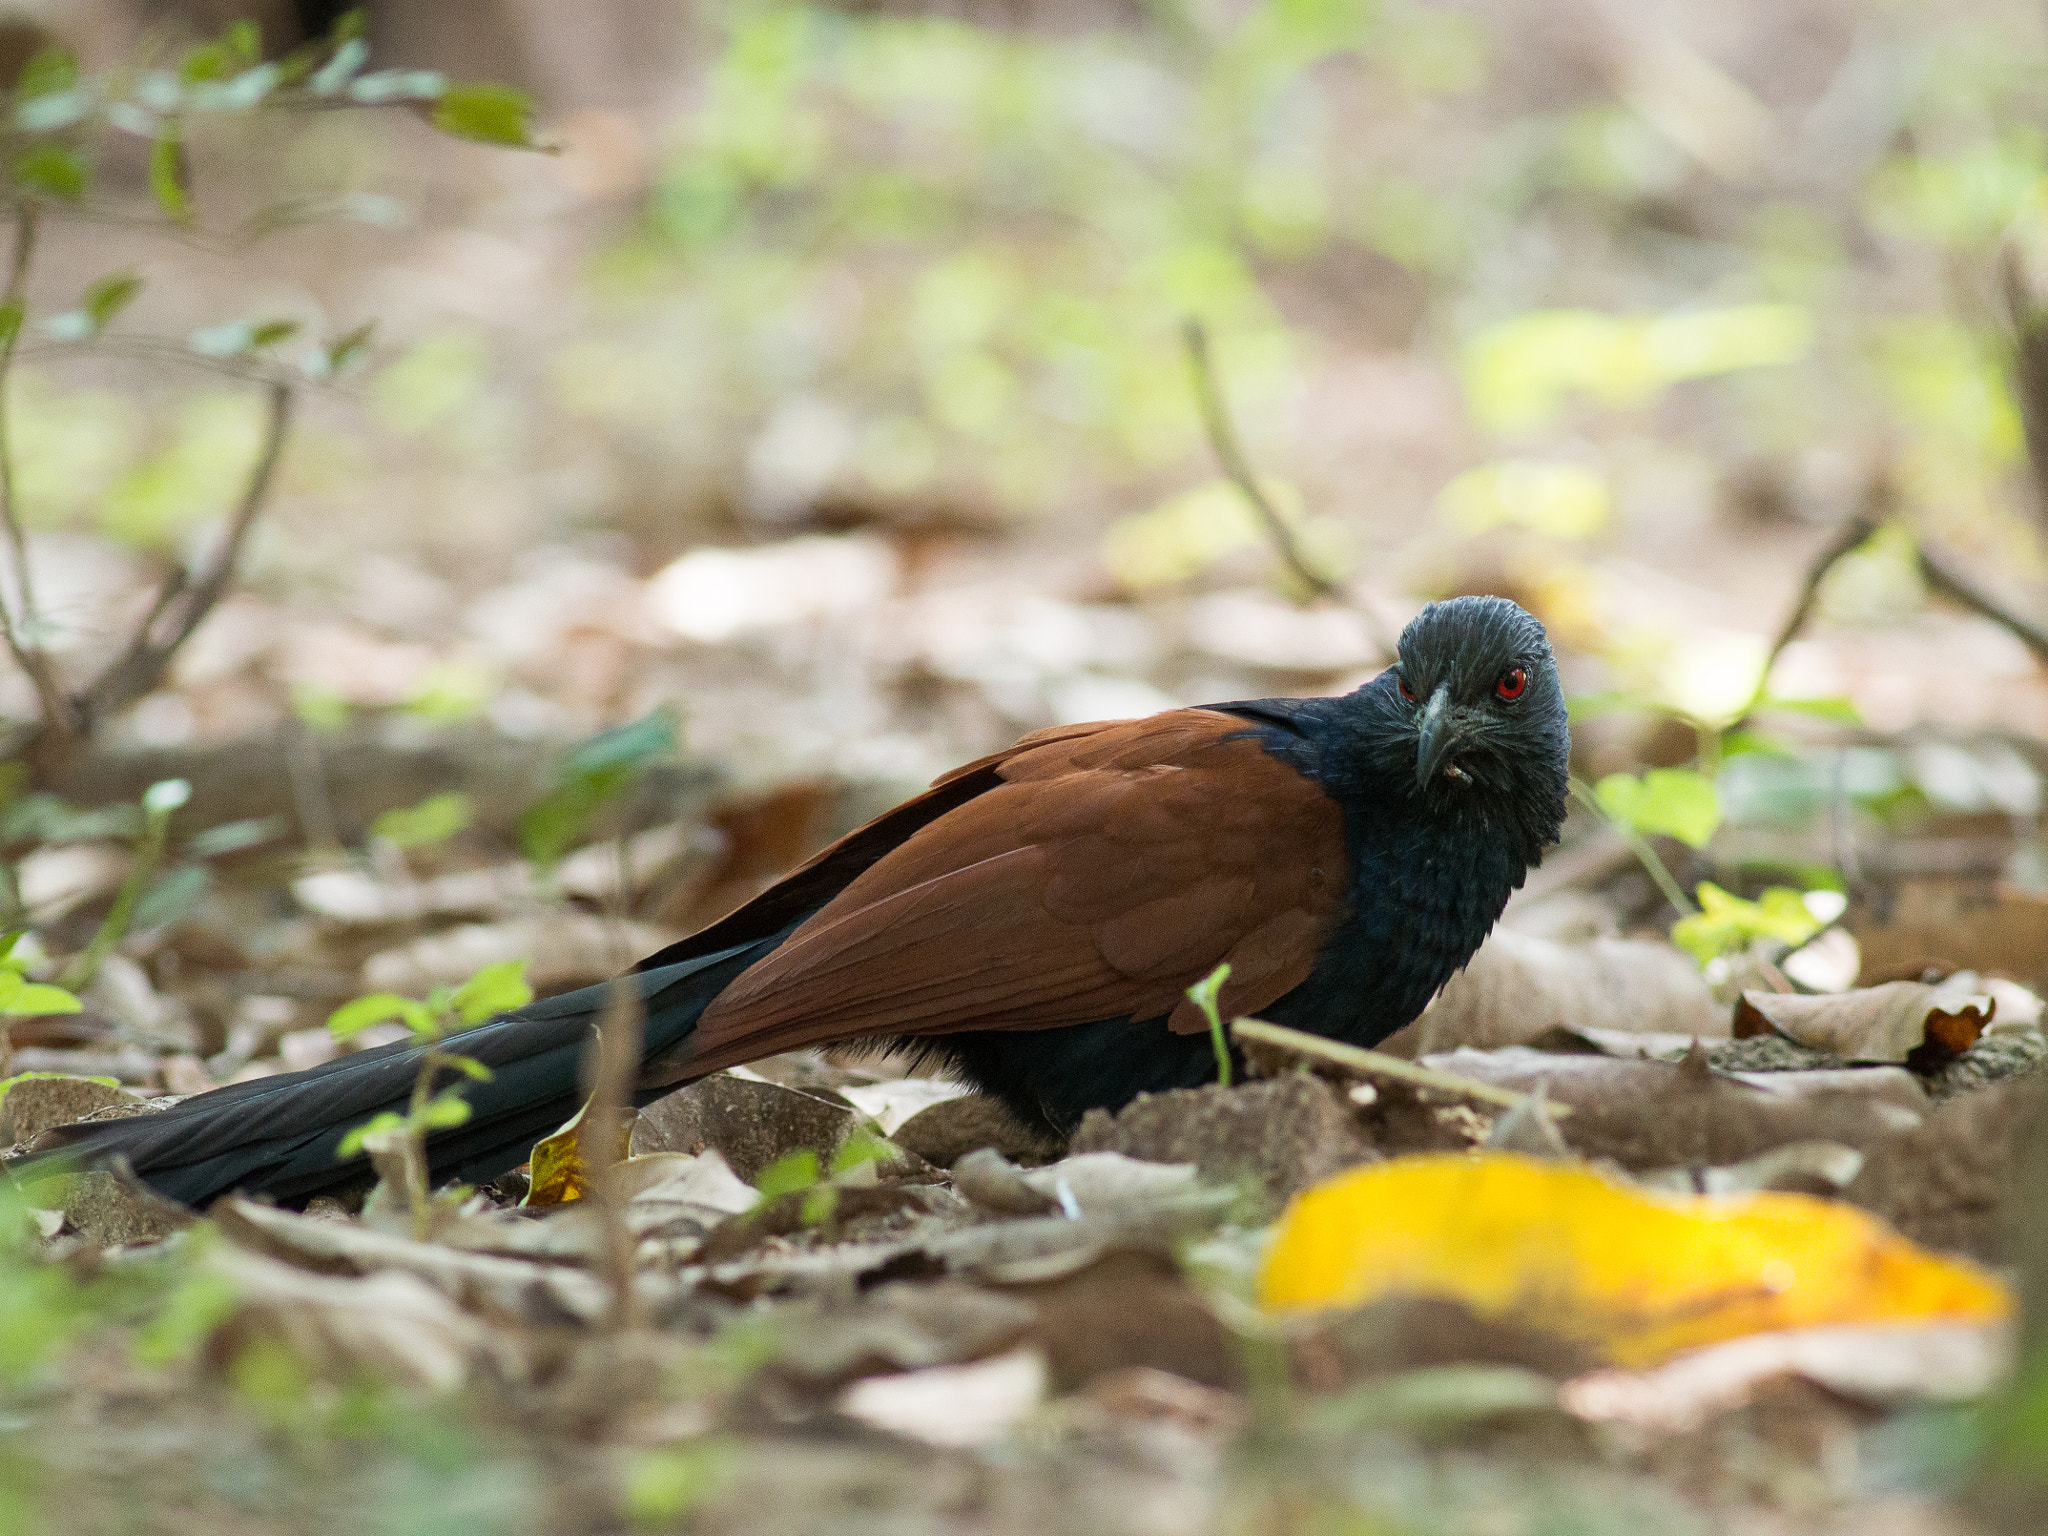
{"x": 1034, "y": 920}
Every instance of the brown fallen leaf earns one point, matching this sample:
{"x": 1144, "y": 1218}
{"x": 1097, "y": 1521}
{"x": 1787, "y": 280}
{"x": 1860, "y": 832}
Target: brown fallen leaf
{"x": 1901, "y": 1021}
{"x": 952, "y": 1405}
{"x": 515, "y": 1289}
{"x": 392, "y": 1324}
{"x": 1951, "y": 925}
{"x": 1517, "y": 987}
{"x": 1647, "y": 1115}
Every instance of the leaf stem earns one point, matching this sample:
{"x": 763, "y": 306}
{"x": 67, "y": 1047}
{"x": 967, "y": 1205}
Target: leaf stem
{"x": 1638, "y": 845}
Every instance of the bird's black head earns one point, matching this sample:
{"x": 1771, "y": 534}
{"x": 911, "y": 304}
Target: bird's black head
{"x": 1471, "y": 719}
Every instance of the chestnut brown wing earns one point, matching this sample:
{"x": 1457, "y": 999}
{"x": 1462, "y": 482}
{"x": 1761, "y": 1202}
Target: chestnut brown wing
{"x": 1108, "y": 869}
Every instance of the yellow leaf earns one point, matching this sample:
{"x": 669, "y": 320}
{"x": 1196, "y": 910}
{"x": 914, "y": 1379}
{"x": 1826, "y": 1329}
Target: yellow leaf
{"x": 1638, "y": 1276}
{"x": 560, "y": 1170}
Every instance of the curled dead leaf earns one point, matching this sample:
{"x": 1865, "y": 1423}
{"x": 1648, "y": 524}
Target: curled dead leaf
{"x": 1901, "y": 1021}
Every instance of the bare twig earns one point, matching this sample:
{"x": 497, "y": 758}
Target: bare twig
{"x": 1237, "y": 468}
{"x": 2029, "y": 372}
{"x": 1944, "y": 577}
{"x": 18, "y": 619}
{"x": 611, "y": 1066}
{"x": 1654, "y": 867}
{"x": 183, "y": 602}
{"x": 1364, "y": 1063}
{"x": 1849, "y": 538}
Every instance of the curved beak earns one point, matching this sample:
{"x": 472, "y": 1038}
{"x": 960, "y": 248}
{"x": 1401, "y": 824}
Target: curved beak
{"x": 1439, "y": 735}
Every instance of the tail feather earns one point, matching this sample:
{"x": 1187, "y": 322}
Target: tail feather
{"x": 281, "y": 1135}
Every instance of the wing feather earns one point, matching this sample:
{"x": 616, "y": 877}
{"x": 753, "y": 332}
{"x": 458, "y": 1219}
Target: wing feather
{"x": 1108, "y": 869}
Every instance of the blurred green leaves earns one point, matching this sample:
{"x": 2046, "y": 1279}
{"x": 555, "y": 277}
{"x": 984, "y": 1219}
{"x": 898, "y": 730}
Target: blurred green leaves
{"x": 590, "y": 778}
{"x": 488, "y": 113}
{"x": 1520, "y": 372}
{"x": 1727, "y": 923}
{"x": 1560, "y": 500}
{"x": 1669, "y": 802}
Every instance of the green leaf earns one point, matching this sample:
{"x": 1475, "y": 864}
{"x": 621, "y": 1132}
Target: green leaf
{"x": 445, "y": 1109}
{"x": 269, "y": 333}
{"x": 355, "y": 1017}
{"x": 863, "y": 1146}
{"x": 235, "y": 836}
{"x": 379, "y": 1125}
{"x": 1836, "y": 711}
{"x": 818, "y": 1205}
{"x": 174, "y": 894}
{"x": 58, "y": 169}
{"x": 349, "y": 346}
{"x": 22, "y": 998}
{"x": 469, "y": 1067}
{"x": 166, "y": 796}
{"x": 1726, "y": 923}
{"x": 644, "y": 742}
{"x": 48, "y": 72}
{"x": 35, "y": 998}
{"x": 1674, "y": 802}
{"x": 431, "y": 821}
{"x": 556, "y": 822}
{"x": 491, "y": 991}
{"x": 486, "y": 112}
{"x": 168, "y": 178}
{"x": 108, "y": 297}
{"x": 788, "y": 1174}
{"x": 341, "y": 67}
{"x": 10, "y": 324}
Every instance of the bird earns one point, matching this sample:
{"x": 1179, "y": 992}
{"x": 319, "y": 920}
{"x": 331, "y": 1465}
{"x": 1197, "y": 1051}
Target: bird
{"x": 1032, "y": 922}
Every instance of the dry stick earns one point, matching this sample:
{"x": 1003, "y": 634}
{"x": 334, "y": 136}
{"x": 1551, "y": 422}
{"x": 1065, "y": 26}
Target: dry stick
{"x": 2029, "y": 371}
{"x": 185, "y": 600}
{"x": 1943, "y": 577}
{"x": 1852, "y": 535}
{"x": 1237, "y": 469}
{"x": 18, "y": 619}
{"x": 1378, "y": 1064}
{"x": 612, "y": 1065}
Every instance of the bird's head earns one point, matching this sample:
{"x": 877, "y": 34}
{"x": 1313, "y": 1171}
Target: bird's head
{"x": 1473, "y": 716}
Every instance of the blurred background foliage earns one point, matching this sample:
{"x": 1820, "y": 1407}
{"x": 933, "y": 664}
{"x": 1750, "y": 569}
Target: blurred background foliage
{"x": 1616, "y": 310}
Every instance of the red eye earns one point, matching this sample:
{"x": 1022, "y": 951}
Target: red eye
{"x": 1406, "y": 692}
{"x": 1513, "y": 685}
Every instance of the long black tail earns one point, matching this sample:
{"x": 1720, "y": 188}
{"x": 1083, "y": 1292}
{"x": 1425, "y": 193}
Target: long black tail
{"x": 280, "y": 1135}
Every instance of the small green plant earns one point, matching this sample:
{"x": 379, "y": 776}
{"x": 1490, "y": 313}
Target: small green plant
{"x": 1203, "y": 995}
{"x": 592, "y": 776}
{"x": 158, "y": 802}
{"x": 800, "y": 1172}
{"x": 1726, "y": 923}
{"x": 491, "y": 991}
{"x": 435, "y": 819}
{"x": 22, "y": 998}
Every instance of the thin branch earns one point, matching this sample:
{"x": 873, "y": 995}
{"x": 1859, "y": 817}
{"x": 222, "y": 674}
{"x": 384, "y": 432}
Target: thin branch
{"x": 18, "y": 618}
{"x": 1949, "y": 581}
{"x": 607, "y": 1121}
{"x": 1237, "y": 468}
{"x": 184, "y": 600}
{"x": 1653, "y": 866}
{"x": 1363, "y": 1063}
{"x": 11, "y": 305}
{"x": 2029, "y": 372}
